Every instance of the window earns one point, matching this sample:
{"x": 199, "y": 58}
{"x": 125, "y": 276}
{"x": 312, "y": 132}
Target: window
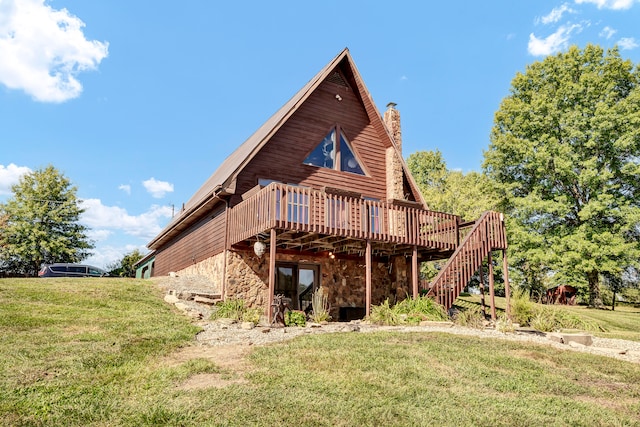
{"x": 374, "y": 218}
{"x": 337, "y": 213}
{"x": 335, "y": 153}
{"x": 297, "y": 205}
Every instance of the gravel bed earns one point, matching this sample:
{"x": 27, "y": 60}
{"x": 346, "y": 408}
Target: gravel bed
{"x": 223, "y": 332}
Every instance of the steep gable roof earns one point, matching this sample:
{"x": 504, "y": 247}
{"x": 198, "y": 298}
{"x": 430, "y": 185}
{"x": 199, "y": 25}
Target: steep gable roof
{"x": 222, "y": 181}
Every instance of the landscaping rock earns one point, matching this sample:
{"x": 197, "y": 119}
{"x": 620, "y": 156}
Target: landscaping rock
{"x": 171, "y": 299}
{"x": 225, "y": 321}
{"x": 205, "y": 300}
{"x": 247, "y": 325}
{"x": 555, "y": 337}
{"x": 181, "y": 306}
{"x": 436, "y": 323}
{"x": 582, "y": 339}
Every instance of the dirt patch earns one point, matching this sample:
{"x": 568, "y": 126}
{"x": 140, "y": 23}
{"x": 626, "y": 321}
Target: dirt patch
{"x": 203, "y": 381}
{"x": 231, "y": 359}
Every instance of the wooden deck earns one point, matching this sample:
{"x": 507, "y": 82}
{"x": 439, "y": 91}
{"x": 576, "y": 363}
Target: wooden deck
{"x": 317, "y": 220}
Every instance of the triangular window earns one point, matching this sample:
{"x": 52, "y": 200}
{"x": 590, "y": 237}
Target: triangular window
{"x": 334, "y": 154}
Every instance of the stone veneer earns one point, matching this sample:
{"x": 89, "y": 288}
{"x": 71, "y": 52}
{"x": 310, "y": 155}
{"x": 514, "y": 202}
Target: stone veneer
{"x": 210, "y": 268}
{"x": 342, "y": 279}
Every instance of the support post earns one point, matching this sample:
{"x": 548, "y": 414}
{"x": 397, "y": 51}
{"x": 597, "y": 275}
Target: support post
{"x": 414, "y": 271}
{"x": 492, "y": 293}
{"x": 507, "y": 288}
{"x": 482, "y": 301}
{"x": 368, "y": 279}
{"x": 272, "y": 273}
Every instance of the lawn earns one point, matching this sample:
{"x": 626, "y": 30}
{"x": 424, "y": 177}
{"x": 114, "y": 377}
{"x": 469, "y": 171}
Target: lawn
{"x": 94, "y": 352}
{"x": 622, "y": 323}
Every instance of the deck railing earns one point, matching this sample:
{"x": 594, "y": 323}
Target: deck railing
{"x": 304, "y": 209}
{"x": 487, "y": 234}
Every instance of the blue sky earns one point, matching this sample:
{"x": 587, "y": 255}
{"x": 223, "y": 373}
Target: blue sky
{"x": 138, "y": 102}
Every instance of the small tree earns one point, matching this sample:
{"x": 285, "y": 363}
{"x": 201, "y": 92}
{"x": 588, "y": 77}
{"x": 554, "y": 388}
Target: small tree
{"x": 42, "y": 224}
{"x": 125, "y": 267}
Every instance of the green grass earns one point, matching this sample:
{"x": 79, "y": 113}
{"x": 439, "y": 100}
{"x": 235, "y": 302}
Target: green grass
{"x": 94, "y": 352}
{"x": 623, "y": 323}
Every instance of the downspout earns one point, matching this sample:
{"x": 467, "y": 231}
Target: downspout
{"x": 226, "y": 243}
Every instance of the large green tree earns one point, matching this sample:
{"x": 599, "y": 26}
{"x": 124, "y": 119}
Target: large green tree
{"x": 42, "y": 223}
{"x": 467, "y": 195}
{"x": 565, "y": 152}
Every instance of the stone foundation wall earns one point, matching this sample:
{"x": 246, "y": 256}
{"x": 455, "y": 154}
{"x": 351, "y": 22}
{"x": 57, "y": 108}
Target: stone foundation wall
{"x": 211, "y": 268}
{"x": 248, "y": 278}
{"x": 342, "y": 280}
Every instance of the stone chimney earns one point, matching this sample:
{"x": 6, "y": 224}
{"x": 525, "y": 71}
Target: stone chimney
{"x": 395, "y": 174}
{"x": 392, "y": 121}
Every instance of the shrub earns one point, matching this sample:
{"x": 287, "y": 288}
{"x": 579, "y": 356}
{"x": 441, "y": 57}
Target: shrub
{"x": 295, "y": 318}
{"x": 319, "y": 307}
{"x": 548, "y": 319}
{"x": 505, "y": 325}
{"x": 234, "y": 308}
{"x": 543, "y": 322}
{"x": 410, "y": 311}
{"x": 383, "y": 314}
{"x": 471, "y": 317}
{"x": 252, "y": 315}
{"x": 522, "y": 308}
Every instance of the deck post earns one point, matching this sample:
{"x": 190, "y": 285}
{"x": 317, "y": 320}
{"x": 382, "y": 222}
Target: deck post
{"x": 368, "y": 279}
{"x": 482, "y": 301}
{"x": 414, "y": 271}
{"x": 492, "y": 293}
{"x": 507, "y": 288}
{"x": 272, "y": 273}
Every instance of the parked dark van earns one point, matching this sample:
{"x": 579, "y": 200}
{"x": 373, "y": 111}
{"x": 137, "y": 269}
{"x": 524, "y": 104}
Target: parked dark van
{"x": 70, "y": 270}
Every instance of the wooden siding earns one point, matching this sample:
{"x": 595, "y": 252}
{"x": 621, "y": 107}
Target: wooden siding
{"x": 202, "y": 240}
{"x": 282, "y": 158}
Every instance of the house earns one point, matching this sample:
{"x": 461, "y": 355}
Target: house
{"x": 320, "y": 196}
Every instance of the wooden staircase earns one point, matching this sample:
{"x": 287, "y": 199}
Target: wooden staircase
{"x": 486, "y": 235}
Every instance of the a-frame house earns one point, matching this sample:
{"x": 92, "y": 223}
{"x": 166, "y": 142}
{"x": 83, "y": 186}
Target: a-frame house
{"x": 319, "y": 196}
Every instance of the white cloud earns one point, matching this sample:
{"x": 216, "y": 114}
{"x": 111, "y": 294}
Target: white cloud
{"x": 100, "y": 218}
{"x": 44, "y": 49}
{"x": 104, "y": 256}
{"x": 99, "y": 235}
{"x": 552, "y": 43}
{"x": 9, "y": 176}
{"x": 556, "y": 14}
{"x": 109, "y": 225}
{"x": 607, "y": 32}
{"x": 609, "y": 4}
{"x": 627, "y": 43}
{"x": 156, "y": 188}
{"x": 126, "y": 188}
